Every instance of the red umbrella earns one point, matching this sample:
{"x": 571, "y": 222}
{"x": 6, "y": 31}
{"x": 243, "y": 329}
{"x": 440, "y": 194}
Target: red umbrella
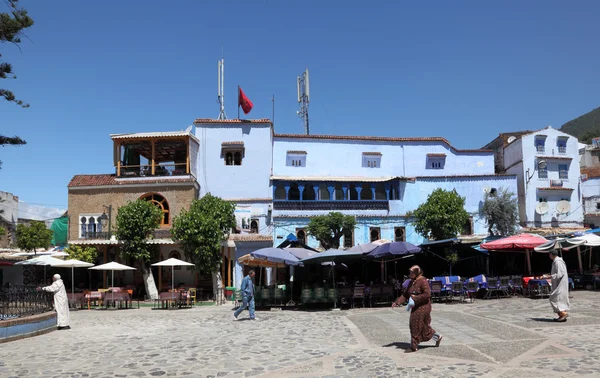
{"x": 516, "y": 242}
{"x": 521, "y": 241}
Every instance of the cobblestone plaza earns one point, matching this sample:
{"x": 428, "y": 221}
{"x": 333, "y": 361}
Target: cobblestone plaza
{"x": 513, "y": 337}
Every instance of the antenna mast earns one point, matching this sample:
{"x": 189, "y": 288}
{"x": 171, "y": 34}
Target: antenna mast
{"x": 221, "y": 90}
{"x": 304, "y": 99}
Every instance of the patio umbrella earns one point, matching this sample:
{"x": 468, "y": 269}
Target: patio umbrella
{"x": 301, "y": 253}
{"x": 393, "y": 251}
{"x": 73, "y": 264}
{"x": 112, "y": 266}
{"x": 589, "y": 240}
{"x": 44, "y": 260}
{"x": 525, "y": 242}
{"x": 390, "y": 252}
{"x": 254, "y": 261}
{"x": 173, "y": 262}
{"x": 363, "y": 248}
{"x": 277, "y": 255}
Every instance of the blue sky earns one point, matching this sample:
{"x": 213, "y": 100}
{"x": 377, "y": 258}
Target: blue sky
{"x": 464, "y": 70}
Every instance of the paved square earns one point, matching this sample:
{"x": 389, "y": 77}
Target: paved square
{"x": 511, "y": 337}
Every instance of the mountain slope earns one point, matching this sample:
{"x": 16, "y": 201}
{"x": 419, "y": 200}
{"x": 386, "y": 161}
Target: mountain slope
{"x": 584, "y": 127}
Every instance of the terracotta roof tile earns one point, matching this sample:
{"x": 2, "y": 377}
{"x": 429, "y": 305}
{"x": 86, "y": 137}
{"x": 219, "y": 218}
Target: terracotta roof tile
{"x": 210, "y": 120}
{"x": 371, "y": 153}
{"x": 110, "y": 180}
{"x": 239, "y": 200}
{"x": 234, "y": 143}
{"x": 292, "y": 152}
{"x": 591, "y": 172}
{"x": 376, "y": 139}
{"x": 467, "y": 176}
{"x": 436, "y": 155}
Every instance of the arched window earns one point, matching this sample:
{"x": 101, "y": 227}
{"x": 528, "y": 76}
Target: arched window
{"x": 160, "y": 202}
{"x": 254, "y": 226}
{"x": 83, "y": 227}
{"x": 399, "y": 234}
{"x": 237, "y": 158}
{"x": 91, "y": 226}
{"x": 301, "y": 236}
{"x": 294, "y": 193}
{"x": 374, "y": 233}
{"x": 229, "y": 158}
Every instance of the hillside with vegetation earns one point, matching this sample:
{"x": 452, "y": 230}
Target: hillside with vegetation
{"x": 584, "y": 127}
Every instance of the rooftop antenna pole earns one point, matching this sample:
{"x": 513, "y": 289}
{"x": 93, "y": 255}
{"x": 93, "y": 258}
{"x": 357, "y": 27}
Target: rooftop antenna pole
{"x": 221, "y": 89}
{"x": 303, "y": 87}
{"x": 273, "y": 110}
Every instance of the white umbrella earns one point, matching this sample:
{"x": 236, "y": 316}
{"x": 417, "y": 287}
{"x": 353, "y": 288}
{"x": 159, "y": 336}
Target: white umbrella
{"x": 112, "y": 266}
{"x": 73, "y": 264}
{"x": 44, "y": 260}
{"x": 173, "y": 262}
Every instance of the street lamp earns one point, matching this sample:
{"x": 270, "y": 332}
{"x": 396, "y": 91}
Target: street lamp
{"x": 106, "y": 220}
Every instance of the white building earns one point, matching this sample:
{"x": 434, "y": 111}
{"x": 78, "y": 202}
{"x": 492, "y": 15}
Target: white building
{"x": 546, "y": 163}
{"x": 590, "y": 174}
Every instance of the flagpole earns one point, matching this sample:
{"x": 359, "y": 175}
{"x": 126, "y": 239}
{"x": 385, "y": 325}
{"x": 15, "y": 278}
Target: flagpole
{"x": 238, "y": 102}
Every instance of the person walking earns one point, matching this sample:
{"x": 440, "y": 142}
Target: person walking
{"x": 418, "y": 296}
{"x": 61, "y": 301}
{"x": 559, "y": 298}
{"x": 247, "y": 289}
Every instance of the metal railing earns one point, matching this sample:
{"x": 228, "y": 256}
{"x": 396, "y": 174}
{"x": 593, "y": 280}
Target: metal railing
{"x": 157, "y": 234}
{"x": 562, "y": 149}
{"x": 19, "y": 301}
{"x": 160, "y": 170}
{"x": 331, "y": 205}
{"x": 540, "y": 149}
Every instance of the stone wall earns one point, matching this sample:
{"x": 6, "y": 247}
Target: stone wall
{"x": 85, "y": 201}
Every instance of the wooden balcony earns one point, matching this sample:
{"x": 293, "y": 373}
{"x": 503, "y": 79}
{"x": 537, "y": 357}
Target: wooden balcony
{"x": 331, "y": 205}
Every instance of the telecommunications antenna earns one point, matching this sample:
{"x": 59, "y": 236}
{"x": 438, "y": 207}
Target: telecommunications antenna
{"x": 303, "y": 87}
{"x": 511, "y": 139}
{"x": 542, "y": 208}
{"x": 563, "y": 207}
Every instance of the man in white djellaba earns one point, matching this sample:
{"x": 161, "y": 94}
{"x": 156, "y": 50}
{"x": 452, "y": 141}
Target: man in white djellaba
{"x": 559, "y": 298}
{"x": 61, "y": 301}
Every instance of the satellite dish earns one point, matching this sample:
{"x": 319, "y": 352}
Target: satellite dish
{"x": 542, "y": 164}
{"x": 487, "y": 189}
{"x": 511, "y": 139}
{"x": 542, "y": 208}
{"x": 563, "y": 207}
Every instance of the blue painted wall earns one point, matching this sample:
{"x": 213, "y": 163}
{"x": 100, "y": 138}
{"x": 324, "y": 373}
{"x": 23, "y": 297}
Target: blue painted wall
{"x": 27, "y": 328}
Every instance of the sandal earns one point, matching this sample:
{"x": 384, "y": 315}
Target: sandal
{"x": 410, "y": 350}
{"x": 437, "y": 343}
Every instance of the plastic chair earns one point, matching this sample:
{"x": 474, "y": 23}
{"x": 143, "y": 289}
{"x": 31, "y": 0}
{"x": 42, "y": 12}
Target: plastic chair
{"x": 192, "y": 295}
{"x": 359, "y": 293}
{"x": 472, "y": 290}
{"x": 278, "y": 295}
{"x": 436, "y": 290}
{"x": 504, "y": 285}
{"x": 457, "y": 290}
{"x": 306, "y": 296}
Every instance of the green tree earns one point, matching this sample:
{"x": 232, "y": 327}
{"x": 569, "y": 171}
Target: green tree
{"x": 135, "y": 223}
{"x": 500, "y": 211}
{"x": 442, "y": 216}
{"x": 2, "y": 232}
{"x": 328, "y": 229}
{"x": 37, "y": 235}
{"x": 201, "y": 230}
{"x": 87, "y": 254}
{"x": 12, "y": 25}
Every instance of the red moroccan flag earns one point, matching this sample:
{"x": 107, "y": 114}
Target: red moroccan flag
{"x": 244, "y": 101}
